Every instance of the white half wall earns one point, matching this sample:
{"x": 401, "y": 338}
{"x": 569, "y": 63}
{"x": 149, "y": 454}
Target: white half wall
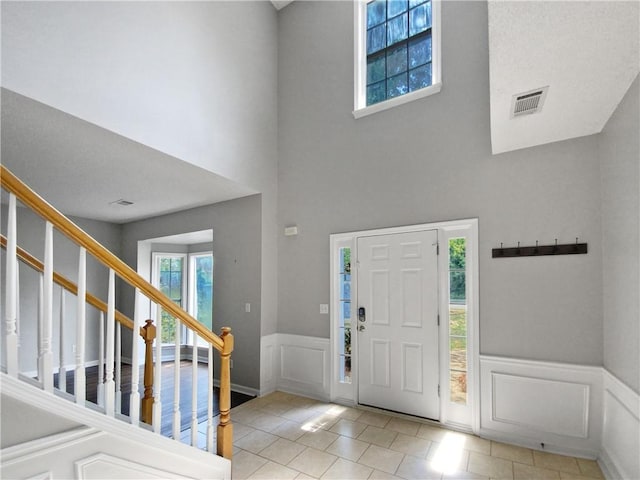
{"x": 551, "y": 406}
{"x": 295, "y": 364}
{"x": 621, "y": 430}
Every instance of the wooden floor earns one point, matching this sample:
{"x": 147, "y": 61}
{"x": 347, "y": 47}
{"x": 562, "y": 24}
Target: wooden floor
{"x": 167, "y": 393}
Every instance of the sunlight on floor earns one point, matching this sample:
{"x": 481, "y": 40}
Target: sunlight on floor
{"x": 449, "y": 454}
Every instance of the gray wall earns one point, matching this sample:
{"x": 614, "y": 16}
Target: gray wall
{"x": 195, "y": 80}
{"x": 619, "y": 164}
{"x": 426, "y": 161}
{"x": 237, "y": 251}
{"x": 31, "y": 231}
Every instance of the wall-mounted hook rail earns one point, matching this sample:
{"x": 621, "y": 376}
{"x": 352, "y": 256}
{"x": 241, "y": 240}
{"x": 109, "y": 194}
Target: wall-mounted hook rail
{"x": 537, "y": 250}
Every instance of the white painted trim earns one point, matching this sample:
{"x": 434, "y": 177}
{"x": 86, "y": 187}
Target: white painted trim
{"x": 253, "y": 392}
{"x": 468, "y": 228}
{"x": 35, "y": 397}
{"x": 104, "y": 460}
{"x": 565, "y": 416}
{"x": 621, "y": 429}
{"x": 360, "y": 63}
{"x": 297, "y": 351}
{"x": 34, "y": 448}
{"x": 268, "y": 377}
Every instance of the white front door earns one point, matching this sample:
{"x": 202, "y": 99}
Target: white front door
{"x": 397, "y": 322}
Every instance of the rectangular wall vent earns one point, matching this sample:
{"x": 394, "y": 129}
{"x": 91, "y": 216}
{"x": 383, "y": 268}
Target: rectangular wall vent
{"x": 529, "y": 102}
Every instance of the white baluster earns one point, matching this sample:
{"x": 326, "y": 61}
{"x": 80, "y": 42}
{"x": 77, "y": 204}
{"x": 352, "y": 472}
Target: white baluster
{"x": 80, "y": 382}
{"x": 176, "y": 385}
{"x": 157, "y": 377}
{"x": 11, "y": 338}
{"x": 40, "y": 310}
{"x": 45, "y": 358}
{"x": 62, "y": 370}
{"x": 109, "y": 384}
{"x": 134, "y": 399}
{"x": 210, "y": 426}
{"x": 194, "y": 391}
{"x": 18, "y": 305}
{"x": 101, "y": 361}
{"x": 119, "y": 367}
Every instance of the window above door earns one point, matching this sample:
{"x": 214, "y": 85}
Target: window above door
{"x": 397, "y": 53}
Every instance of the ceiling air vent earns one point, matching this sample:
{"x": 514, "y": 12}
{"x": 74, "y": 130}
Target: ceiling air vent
{"x": 122, "y": 202}
{"x": 528, "y": 102}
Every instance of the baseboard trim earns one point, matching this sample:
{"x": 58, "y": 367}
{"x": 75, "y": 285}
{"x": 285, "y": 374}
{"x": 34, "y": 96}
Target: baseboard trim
{"x": 253, "y": 392}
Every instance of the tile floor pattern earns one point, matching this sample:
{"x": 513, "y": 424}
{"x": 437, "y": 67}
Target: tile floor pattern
{"x": 282, "y": 436}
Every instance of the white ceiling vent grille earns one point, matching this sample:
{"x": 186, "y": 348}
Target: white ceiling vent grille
{"x": 528, "y": 102}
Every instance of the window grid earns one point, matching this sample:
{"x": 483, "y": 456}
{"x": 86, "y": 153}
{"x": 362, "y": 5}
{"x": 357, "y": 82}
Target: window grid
{"x": 399, "y": 58}
{"x": 457, "y": 321}
{"x": 344, "y": 350}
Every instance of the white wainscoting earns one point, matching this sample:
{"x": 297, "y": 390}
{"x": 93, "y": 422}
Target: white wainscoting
{"x": 620, "y": 456}
{"x": 295, "y": 364}
{"x": 531, "y": 403}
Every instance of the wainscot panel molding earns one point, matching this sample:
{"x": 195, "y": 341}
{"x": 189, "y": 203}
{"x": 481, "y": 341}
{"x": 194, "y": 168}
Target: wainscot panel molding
{"x": 268, "y": 378}
{"x": 548, "y": 406}
{"x": 620, "y": 456}
{"x": 295, "y": 364}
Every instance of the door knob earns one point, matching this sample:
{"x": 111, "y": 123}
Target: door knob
{"x": 360, "y": 328}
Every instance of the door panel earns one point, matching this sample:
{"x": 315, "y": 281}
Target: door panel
{"x": 398, "y": 340}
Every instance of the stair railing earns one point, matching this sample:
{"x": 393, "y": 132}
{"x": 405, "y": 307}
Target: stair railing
{"x": 151, "y": 408}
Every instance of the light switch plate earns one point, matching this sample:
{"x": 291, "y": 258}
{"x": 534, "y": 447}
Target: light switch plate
{"x": 324, "y": 308}
{"x": 247, "y": 307}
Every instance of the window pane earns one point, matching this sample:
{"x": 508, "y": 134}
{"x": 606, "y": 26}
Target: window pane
{"x": 420, "y": 19}
{"x": 419, "y": 51}
{"x": 376, "y": 93}
{"x": 168, "y": 328}
{"x": 397, "y": 61}
{"x": 345, "y": 287}
{"x": 345, "y": 368}
{"x": 458, "y": 353}
{"x": 397, "y": 85}
{"x": 346, "y": 311}
{"x": 457, "y": 253}
{"x": 204, "y": 290}
{"x": 347, "y": 341}
{"x": 457, "y": 320}
{"x": 376, "y": 39}
{"x": 420, "y": 77}
{"x": 457, "y": 294}
{"x": 376, "y": 69}
{"x": 413, "y": 3}
{"x": 396, "y": 7}
{"x": 176, "y": 264}
{"x": 458, "y": 385}
{"x": 397, "y": 29}
{"x": 375, "y": 13}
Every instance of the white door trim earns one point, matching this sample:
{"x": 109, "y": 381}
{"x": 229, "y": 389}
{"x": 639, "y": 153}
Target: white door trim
{"x": 450, "y": 413}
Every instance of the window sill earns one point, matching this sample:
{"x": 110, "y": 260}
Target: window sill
{"x": 394, "y": 102}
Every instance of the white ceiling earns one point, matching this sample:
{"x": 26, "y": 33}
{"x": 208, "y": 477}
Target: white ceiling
{"x": 586, "y": 52}
{"x": 80, "y": 168}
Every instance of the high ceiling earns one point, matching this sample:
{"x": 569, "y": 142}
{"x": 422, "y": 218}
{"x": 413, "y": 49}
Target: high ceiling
{"x": 585, "y": 52}
{"x": 87, "y": 167}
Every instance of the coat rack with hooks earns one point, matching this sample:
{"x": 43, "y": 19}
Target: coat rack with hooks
{"x": 537, "y": 250}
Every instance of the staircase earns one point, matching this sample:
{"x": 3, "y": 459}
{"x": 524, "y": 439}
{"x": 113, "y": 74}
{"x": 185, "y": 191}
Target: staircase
{"x": 48, "y": 432}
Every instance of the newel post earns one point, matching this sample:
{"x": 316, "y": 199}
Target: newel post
{"x": 148, "y": 335}
{"x": 225, "y": 428}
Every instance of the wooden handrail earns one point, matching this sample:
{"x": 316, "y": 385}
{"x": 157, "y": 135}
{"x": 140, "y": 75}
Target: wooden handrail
{"x": 68, "y": 285}
{"x": 40, "y": 206}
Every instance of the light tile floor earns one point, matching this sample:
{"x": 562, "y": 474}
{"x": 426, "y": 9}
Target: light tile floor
{"x": 283, "y": 436}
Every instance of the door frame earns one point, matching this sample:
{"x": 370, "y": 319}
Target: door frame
{"x": 455, "y": 415}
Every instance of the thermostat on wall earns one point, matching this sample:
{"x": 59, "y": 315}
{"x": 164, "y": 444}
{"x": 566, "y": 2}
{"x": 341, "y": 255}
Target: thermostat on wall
{"x": 290, "y": 231}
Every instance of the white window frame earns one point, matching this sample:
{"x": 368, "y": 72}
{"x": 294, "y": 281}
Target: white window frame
{"x": 360, "y": 108}
{"x": 466, "y": 417}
